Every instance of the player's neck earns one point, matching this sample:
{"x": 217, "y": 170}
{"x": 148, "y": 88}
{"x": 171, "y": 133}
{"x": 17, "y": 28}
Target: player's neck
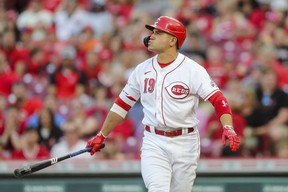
{"x": 167, "y": 57}
{"x": 162, "y": 65}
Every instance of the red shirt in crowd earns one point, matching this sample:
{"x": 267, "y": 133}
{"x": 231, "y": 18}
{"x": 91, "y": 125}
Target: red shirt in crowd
{"x": 51, "y": 5}
{"x": 66, "y": 82}
{"x": 217, "y": 73}
{"x": 40, "y": 153}
{"x": 16, "y": 54}
{"x": 125, "y": 129}
{"x": 7, "y": 79}
{"x": 32, "y": 105}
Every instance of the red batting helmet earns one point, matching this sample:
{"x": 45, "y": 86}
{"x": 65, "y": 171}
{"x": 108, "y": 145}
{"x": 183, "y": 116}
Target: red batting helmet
{"x": 171, "y": 26}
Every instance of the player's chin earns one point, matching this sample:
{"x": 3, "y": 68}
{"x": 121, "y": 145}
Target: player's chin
{"x": 151, "y": 48}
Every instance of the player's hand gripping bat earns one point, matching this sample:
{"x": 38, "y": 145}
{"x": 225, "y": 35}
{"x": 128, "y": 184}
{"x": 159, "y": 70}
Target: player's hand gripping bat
{"x": 27, "y": 170}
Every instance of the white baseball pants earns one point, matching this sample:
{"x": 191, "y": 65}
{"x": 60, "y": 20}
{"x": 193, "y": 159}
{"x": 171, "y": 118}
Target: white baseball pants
{"x": 168, "y": 164}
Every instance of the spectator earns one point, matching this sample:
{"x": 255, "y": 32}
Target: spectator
{"x": 3, "y": 107}
{"x": 200, "y": 19}
{"x": 257, "y": 16}
{"x": 12, "y": 128}
{"x": 70, "y": 19}
{"x": 124, "y": 130}
{"x": 30, "y": 148}
{"x": 21, "y": 99}
{"x": 195, "y": 46}
{"x": 70, "y": 142}
{"x": 106, "y": 76}
{"x": 79, "y": 116}
{"x": 4, "y": 154}
{"x": 91, "y": 66}
{"x": 266, "y": 60}
{"x": 282, "y": 147}
{"x": 224, "y": 25}
{"x": 279, "y": 138}
{"x": 134, "y": 31}
{"x": 51, "y": 46}
{"x": 215, "y": 66}
{"x": 35, "y": 16}
{"x": 99, "y": 103}
{"x": 25, "y": 38}
{"x": 280, "y": 38}
{"x": 50, "y": 102}
{"x": 12, "y": 52}
{"x": 121, "y": 11}
{"x": 49, "y": 133}
{"x": 17, "y": 5}
{"x": 100, "y": 19}
{"x": 89, "y": 42}
{"x": 8, "y": 20}
{"x": 111, "y": 151}
{"x": 231, "y": 30}
{"x": 99, "y": 96}
{"x": 2, "y": 20}
{"x": 123, "y": 136}
{"x": 7, "y": 76}
{"x": 269, "y": 115}
{"x": 67, "y": 82}
{"x": 247, "y": 7}
{"x": 38, "y": 62}
{"x": 127, "y": 62}
{"x": 51, "y": 5}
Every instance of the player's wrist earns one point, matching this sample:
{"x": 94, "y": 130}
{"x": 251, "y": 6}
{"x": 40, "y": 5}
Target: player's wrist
{"x": 229, "y": 130}
{"x": 228, "y": 127}
{"x": 101, "y": 134}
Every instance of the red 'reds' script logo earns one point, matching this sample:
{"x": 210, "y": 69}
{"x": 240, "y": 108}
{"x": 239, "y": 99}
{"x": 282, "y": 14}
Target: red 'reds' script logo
{"x": 178, "y": 90}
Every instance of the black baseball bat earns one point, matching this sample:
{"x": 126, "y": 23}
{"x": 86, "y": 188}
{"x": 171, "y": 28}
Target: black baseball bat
{"x": 27, "y": 170}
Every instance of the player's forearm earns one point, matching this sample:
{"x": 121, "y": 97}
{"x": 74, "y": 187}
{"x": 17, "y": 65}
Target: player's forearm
{"x": 226, "y": 119}
{"x": 111, "y": 121}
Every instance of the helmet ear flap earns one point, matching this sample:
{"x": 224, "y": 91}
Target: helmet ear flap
{"x": 145, "y": 41}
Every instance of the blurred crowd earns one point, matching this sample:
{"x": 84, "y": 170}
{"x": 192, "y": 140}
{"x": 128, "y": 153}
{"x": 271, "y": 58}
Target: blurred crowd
{"x": 63, "y": 62}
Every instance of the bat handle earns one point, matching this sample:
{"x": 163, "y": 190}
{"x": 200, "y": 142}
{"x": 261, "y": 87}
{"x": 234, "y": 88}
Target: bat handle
{"x": 88, "y": 149}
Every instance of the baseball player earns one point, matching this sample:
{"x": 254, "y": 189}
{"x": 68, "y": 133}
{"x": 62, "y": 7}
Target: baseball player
{"x": 169, "y": 86}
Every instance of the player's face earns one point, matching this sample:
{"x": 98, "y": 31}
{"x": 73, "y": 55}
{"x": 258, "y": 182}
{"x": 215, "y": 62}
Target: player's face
{"x": 161, "y": 41}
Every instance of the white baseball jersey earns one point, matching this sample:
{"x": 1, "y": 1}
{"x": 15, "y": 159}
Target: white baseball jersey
{"x": 169, "y": 95}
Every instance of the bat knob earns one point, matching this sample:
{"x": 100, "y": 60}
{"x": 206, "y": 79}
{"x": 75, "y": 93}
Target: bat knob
{"x": 17, "y": 173}
{"x": 21, "y": 172}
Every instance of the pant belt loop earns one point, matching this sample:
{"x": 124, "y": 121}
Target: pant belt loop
{"x": 184, "y": 131}
{"x": 152, "y": 129}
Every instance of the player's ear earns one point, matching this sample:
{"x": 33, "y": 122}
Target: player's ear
{"x": 145, "y": 41}
{"x": 173, "y": 41}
